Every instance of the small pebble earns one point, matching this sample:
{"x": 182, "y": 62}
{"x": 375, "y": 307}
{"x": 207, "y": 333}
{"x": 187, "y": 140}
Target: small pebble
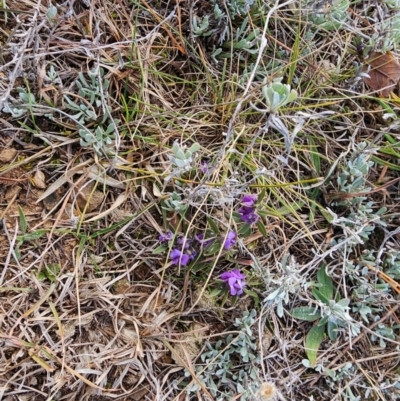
{"x": 6, "y": 155}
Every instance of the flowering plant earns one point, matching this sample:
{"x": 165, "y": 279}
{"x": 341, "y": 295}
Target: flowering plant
{"x": 248, "y": 212}
{"x": 179, "y": 258}
{"x": 235, "y": 280}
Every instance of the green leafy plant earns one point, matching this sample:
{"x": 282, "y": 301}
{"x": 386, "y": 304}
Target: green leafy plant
{"x": 392, "y": 264}
{"x": 246, "y": 38}
{"x": 200, "y": 27}
{"x": 239, "y": 7}
{"x": 50, "y": 272}
{"x": 100, "y": 138}
{"x": 392, "y": 4}
{"x": 331, "y": 313}
{"x": 181, "y": 160}
{"x": 277, "y": 95}
{"x": 361, "y": 219}
{"x": 26, "y": 101}
{"x": 387, "y": 36}
{"x": 51, "y": 13}
{"x": 27, "y": 237}
{"x": 175, "y": 203}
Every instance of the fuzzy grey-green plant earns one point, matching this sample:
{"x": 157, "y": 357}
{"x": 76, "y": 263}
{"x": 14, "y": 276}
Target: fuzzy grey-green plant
{"x": 175, "y": 203}
{"x": 326, "y": 15}
{"x": 27, "y": 101}
{"x": 231, "y": 365}
{"x": 392, "y": 4}
{"x": 277, "y": 95}
{"x": 182, "y": 159}
{"x": 285, "y": 285}
{"x": 362, "y": 218}
{"x": 387, "y": 35}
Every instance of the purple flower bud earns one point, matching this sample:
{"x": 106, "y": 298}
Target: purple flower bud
{"x": 184, "y": 241}
{"x": 166, "y": 237}
{"x": 204, "y": 166}
{"x": 249, "y": 200}
{"x": 179, "y": 258}
{"x": 235, "y": 280}
{"x": 230, "y": 240}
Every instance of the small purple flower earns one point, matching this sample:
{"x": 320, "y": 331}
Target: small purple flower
{"x": 204, "y": 166}
{"x": 249, "y": 200}
{"x": 166, "y": 237}
{"x": 184, "y": 241}
{"x": 247, "y": 210}
{"x": 199, "y": 238}
{"x": 179, "y": 258}
{"x": 250, "y": 218}
{"x": 236, "y": 281}
{"x": 230, "y": 240}
{"x": 203, "y": 242}
{"x": 248, "y": 214}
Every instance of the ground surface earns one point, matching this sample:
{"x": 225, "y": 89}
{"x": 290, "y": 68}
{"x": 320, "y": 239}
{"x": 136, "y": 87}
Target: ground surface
{"x": 94, "y": 95}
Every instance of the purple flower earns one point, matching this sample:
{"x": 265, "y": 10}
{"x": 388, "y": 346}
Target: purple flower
{"x": 199, "y": 238}
{"x": 179, "y": 258}
{"x": 204, "y": 166}
{"x": 236, "y": 281}
{"x": 166, "y": 237}
{"x": 203, "y": 242}
{"x": 193, "y": 255}
{"x": 250, "y": 218}
{"x": 249, "y": 200}
{"x": 248, "y": 214}
{"x": 184, "y": 241}
{"x": 230, "y": 240}
{"x": 247, "y": 210}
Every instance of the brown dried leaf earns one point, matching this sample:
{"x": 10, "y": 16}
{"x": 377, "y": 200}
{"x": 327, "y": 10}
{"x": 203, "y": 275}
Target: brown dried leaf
{"x": 383, "y": 71}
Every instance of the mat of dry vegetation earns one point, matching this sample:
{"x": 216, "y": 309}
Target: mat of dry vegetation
{"x": 149, "y": 147}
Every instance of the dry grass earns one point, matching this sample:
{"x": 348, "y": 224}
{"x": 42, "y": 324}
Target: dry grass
{"x": 88, "y": 310}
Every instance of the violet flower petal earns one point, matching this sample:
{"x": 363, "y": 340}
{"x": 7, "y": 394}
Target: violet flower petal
{"x": 179, "y": 258}
{"x": 166, "y": 236}
{"x": 230, "y": 240}
{"x": 249, "y": 200}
